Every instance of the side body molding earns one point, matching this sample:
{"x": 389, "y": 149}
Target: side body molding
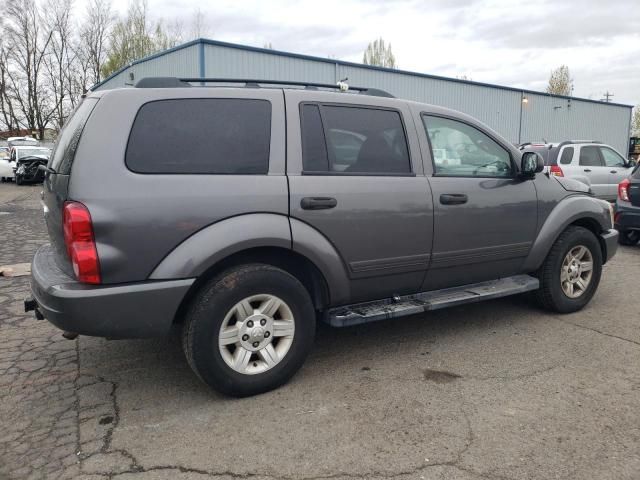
{"x": 567, "y": 211}
{"x": 310, "y": 243}
{"x": 213, "y": 243}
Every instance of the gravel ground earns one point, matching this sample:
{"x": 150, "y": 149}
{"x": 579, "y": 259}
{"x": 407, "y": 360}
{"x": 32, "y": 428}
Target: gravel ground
{"x": 494, "y": 390}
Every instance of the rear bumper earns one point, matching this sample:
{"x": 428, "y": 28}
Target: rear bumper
{"x": 136, "y": 310}
{"x": 609, "y": 241}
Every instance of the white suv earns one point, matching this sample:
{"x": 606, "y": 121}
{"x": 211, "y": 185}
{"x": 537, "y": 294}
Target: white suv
{"x": 597, "y": 165}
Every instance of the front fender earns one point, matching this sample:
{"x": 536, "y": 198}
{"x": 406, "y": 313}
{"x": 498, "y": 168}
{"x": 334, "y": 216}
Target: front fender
{"x": 213, "y": 243}
{"x": 566, "y": 212}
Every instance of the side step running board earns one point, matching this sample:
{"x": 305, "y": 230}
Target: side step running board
{"x": 422, "y": 302}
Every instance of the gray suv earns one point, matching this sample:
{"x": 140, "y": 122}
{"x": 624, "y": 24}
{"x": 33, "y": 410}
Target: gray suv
{"x": 244, "y": 214}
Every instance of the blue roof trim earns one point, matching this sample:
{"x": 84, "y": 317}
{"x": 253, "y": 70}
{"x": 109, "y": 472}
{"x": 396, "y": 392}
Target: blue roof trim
{"x": 300, "y": 56}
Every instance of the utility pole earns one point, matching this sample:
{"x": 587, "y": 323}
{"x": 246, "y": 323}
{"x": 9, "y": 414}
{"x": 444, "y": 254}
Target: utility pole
{"x": 607, "y": 97}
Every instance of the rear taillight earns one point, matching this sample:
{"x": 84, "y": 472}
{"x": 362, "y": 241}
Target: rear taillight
{"x": 80, "y": 242}
{"x": 623, "y": 190}
{"x": 556, "y": 171}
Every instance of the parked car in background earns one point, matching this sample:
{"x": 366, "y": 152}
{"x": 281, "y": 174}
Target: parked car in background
{"x": 6, "y": 167}
{"x": 627, "y": 216}
{"x": 22, "y": 141}
{"x": 595, "y": 164}
{"x": 26, "y": 162}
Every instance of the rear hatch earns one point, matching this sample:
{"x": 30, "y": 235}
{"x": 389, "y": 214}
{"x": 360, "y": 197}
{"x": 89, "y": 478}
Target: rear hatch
{"x": 56, "y": 181}
{"x": 634, "y": 188}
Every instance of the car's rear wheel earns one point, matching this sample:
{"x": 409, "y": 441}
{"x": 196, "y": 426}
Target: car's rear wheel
{"x": 629, "y": 237}
{"x": 249, "y": 329}
{"x": 571, "y": 272}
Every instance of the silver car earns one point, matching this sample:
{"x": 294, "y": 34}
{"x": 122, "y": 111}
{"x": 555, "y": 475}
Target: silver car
{"x": 595, "y": 164}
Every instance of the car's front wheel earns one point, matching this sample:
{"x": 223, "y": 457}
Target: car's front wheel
{"x": 249, "y": 329}
{"x": 571, "y": 272}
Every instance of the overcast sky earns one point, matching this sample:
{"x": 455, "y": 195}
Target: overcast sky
{"x": 507, "y": 42}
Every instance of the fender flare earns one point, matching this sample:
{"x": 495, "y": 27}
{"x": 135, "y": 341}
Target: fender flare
{"x": 313, "y": 245}
{"x": 569, "y": 210}
{"x": 211, "y": 244}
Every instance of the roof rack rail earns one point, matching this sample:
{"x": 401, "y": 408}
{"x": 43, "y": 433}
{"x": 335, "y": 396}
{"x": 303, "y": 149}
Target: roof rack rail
{"x": 574, "y": 142}
{"x": 174, "y": 82}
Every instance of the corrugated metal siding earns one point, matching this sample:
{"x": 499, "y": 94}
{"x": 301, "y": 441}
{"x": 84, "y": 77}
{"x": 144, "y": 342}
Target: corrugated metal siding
{"x": 556, "y": 119}
{"x": 179, "y": 63}
{"x": 224, "y": 62}
{"x": 497, "y": 108}
{"x": 500, "y": 108}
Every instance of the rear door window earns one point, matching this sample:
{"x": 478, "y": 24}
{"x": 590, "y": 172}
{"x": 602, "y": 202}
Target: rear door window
{"x": 201, "y": 136}
{"x": 590, "y": 157}
{"x": 353, "y": 140}
{"x": 67, "y": 143}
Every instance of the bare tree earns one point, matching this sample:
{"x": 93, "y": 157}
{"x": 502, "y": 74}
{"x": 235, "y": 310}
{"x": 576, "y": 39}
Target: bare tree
{"x": 59, "y": 60}
{"x": 9, "y": 120}
{"x": 560, "y": 81}
{"x": 199, "y": 24}
{"x": 94, "y": 37}
{"x": 27, "y": 43}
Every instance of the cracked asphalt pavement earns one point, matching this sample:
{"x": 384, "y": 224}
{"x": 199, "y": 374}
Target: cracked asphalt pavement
{"x": 497, "y": 390}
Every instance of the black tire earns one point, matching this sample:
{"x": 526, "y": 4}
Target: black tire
{"x": 629, "y": 237}
{"x": 551, "y": 295}
{"x": 207, "y": 312}
{"x": 19, "y": 180}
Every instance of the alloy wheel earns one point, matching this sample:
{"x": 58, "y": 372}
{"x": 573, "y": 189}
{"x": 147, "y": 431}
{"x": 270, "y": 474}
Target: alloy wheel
{"x": 256, "y": 334}
{"x": 576, "y": 271}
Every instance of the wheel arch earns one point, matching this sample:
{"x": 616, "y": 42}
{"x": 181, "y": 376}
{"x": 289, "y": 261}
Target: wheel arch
{"x": 286, "y": 259}
{"x": 577, "y": 210}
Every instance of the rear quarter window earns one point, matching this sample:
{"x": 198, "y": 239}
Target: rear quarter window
{"x": 567, "y": 156}
{"x": 67, "y": 143}
{"x": 201, "y": 136}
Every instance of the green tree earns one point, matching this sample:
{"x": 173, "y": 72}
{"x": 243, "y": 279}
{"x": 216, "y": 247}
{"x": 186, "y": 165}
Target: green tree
{"x": 134, "y": 37}
{"x": 635, "y": 122}
{"x": 560, "y": 81}
{"x": 379, "y": 54}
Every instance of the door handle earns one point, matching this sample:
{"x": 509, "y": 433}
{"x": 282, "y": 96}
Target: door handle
{"x": 453, "y": 198}
{"x": 318, "y": 203}
{"x": 587, "y": 169}
{"x": 613, "y": 171}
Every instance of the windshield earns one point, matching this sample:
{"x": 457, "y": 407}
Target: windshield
{"x": 28, "y": 152}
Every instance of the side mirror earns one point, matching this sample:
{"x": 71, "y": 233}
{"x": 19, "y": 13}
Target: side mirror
{"x": 531, "y": 164}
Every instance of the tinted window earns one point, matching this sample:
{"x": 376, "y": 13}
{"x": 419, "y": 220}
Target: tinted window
{"x": 611, "y": 158}
{"x": 67, "y": 143}
{"x": 590, "y": 157}
{"x": 567, "y": 155}
{"x": 356, "y": 140}
{"x": 314, "y": 148}
{"x": 462, "y": 150}
{"x": 225, "y": 136}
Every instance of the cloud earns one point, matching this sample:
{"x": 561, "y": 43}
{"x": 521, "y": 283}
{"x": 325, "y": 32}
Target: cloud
{"x": 507, "y": 42}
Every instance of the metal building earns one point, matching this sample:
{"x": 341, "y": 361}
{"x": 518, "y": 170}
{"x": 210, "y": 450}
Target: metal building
{"x": 519, "y": 115}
